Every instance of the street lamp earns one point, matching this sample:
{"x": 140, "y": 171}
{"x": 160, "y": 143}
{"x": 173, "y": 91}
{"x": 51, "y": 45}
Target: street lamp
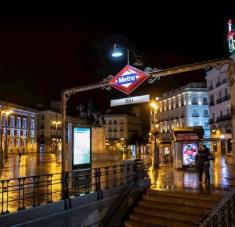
{"x": 155, "y": 131}
{"x": 156, "y": 148}
{"x": 56, "y": 123}
{"x": 118, "y": 52}
{"x": 123, "y": 147}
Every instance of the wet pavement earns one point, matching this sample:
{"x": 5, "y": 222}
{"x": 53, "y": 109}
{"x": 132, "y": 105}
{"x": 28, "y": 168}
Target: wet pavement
{"x": 30, "y": 165}
{"x": 40, "y": 180}
{"x": 38, "y": 164}
{"x": 222, "y": 176}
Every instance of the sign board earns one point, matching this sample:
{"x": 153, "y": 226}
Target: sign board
{"x": 190, "y": 151}
{"x": 231, "y": 37}
{"x": 128, "y": 79}
{"x": 81, "y": 146}
{"x": 187, "y": 137}
{"x": 130, "y": 100}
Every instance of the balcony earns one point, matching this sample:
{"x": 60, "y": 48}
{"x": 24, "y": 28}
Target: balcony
{"x": 224, "y": 81}
{"x": 217, "y": 84}
{"x": 219, "y": 100}
{"x": 225, "y": 98}
{"x": 205, "y": 103}
{"x": 211, "y": 120}
{"x": 195, "y": 115}
{"x": 210, "y": 88}
{"x": 224, "y": 118}
{"x": 206, "y": 115}
{"x": 211, "y": 103}
{"x": 194, "y": 103}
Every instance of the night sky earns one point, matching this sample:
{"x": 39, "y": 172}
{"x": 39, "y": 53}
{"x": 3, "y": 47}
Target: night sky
{"x": 46, "y": 49}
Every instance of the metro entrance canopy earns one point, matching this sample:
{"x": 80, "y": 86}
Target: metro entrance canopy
{"x": 150, "y": 74}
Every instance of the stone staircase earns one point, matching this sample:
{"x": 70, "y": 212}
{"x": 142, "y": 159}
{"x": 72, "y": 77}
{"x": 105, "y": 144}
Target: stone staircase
{"x": 171, "y": 208}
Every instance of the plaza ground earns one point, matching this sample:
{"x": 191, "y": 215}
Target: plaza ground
{"x": 166, "y": 177}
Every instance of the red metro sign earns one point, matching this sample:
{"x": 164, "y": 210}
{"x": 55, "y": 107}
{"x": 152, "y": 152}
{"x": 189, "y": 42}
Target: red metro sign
{"x": 128, "y": 79}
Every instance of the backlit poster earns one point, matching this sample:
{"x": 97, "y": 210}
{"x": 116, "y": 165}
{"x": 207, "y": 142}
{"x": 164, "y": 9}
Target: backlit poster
{"x": 81, "y": 146}
{"x": 189, "y": 153}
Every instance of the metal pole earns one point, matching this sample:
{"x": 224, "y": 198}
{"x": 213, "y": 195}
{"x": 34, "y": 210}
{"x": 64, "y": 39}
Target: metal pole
{"x": 128, "y": 55}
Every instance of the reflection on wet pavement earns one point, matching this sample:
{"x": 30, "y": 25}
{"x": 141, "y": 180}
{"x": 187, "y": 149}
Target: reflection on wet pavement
{"x": 222, "y": 175}
{"x": 30, "y": 165}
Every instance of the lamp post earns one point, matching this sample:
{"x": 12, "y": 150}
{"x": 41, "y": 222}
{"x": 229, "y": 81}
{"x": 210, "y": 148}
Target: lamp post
{"x": 123, "y": 149}
{"x": 56, "y": 123}
{"x": 118, "y": 52}
{"x": 155, "y": 132}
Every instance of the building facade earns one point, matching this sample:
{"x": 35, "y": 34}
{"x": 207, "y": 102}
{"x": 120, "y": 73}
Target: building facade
{"x": 50, "y": 130}
{"x": 220, "y": 110}
{"x": 183, "y": 107}
{"x": 18, "y": 129}
{"x": 121, "y": 126}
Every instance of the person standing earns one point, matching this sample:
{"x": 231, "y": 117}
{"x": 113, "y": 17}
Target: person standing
{"x": 207, "y": 164}
{"x": 202, "y": 163}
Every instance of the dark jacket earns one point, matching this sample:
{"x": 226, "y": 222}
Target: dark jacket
{"x": 202, "y": 157}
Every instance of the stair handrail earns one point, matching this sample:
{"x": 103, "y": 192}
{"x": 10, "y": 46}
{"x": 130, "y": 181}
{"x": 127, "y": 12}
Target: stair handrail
{"x": 221, "y": 214}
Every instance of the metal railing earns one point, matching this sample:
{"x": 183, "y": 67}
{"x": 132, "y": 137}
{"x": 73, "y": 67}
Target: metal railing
{"x": 221, "y": 215}
{"x": 26, "y": 192}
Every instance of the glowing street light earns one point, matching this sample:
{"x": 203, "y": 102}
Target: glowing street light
{"x": 56, "y": 123}
{"x": 118, "y": 52}
{"x": 154, "y": 105}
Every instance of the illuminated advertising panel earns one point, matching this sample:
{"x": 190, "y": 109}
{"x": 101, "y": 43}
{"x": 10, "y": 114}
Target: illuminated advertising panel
{"x": 189, "y": 153}
{"x": 81, "y": 146}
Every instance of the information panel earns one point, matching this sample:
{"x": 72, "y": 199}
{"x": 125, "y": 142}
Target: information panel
{"x": 81, "y": 146}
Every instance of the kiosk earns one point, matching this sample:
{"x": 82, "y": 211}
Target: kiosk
{"x": 186, "y": 145}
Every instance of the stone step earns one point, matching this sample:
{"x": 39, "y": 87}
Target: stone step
{"x": 132, "y": 223}
{"x": 183, "y": 201}
{"x": 173, "y": 207}
{"x": 169, "y": 214}
{"x": 191, "y": 195}
{"x": 148, "y": 219}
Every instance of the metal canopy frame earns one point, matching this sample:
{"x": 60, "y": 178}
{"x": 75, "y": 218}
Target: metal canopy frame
{"x": 154, "y": 74}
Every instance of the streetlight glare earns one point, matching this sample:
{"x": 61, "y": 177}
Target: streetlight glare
{"x": 7, "y": 112}
{"x": 153, "y": 105}
{"x": 117, "y": 53}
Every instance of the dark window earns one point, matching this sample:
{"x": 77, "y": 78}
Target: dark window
{"x": 194, "y": 101}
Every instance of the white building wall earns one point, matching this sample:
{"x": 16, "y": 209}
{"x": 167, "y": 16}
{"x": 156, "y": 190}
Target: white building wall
{"x": 187, "y": 106}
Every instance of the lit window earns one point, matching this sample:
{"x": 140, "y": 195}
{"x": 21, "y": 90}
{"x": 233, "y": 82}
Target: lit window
{"x": 32, "y": 134}
{"x": 32, "y": 124}
{"x": 18, "y": 122}
{"x": 12, "y": 121}
{"x": 24, "y": 123}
